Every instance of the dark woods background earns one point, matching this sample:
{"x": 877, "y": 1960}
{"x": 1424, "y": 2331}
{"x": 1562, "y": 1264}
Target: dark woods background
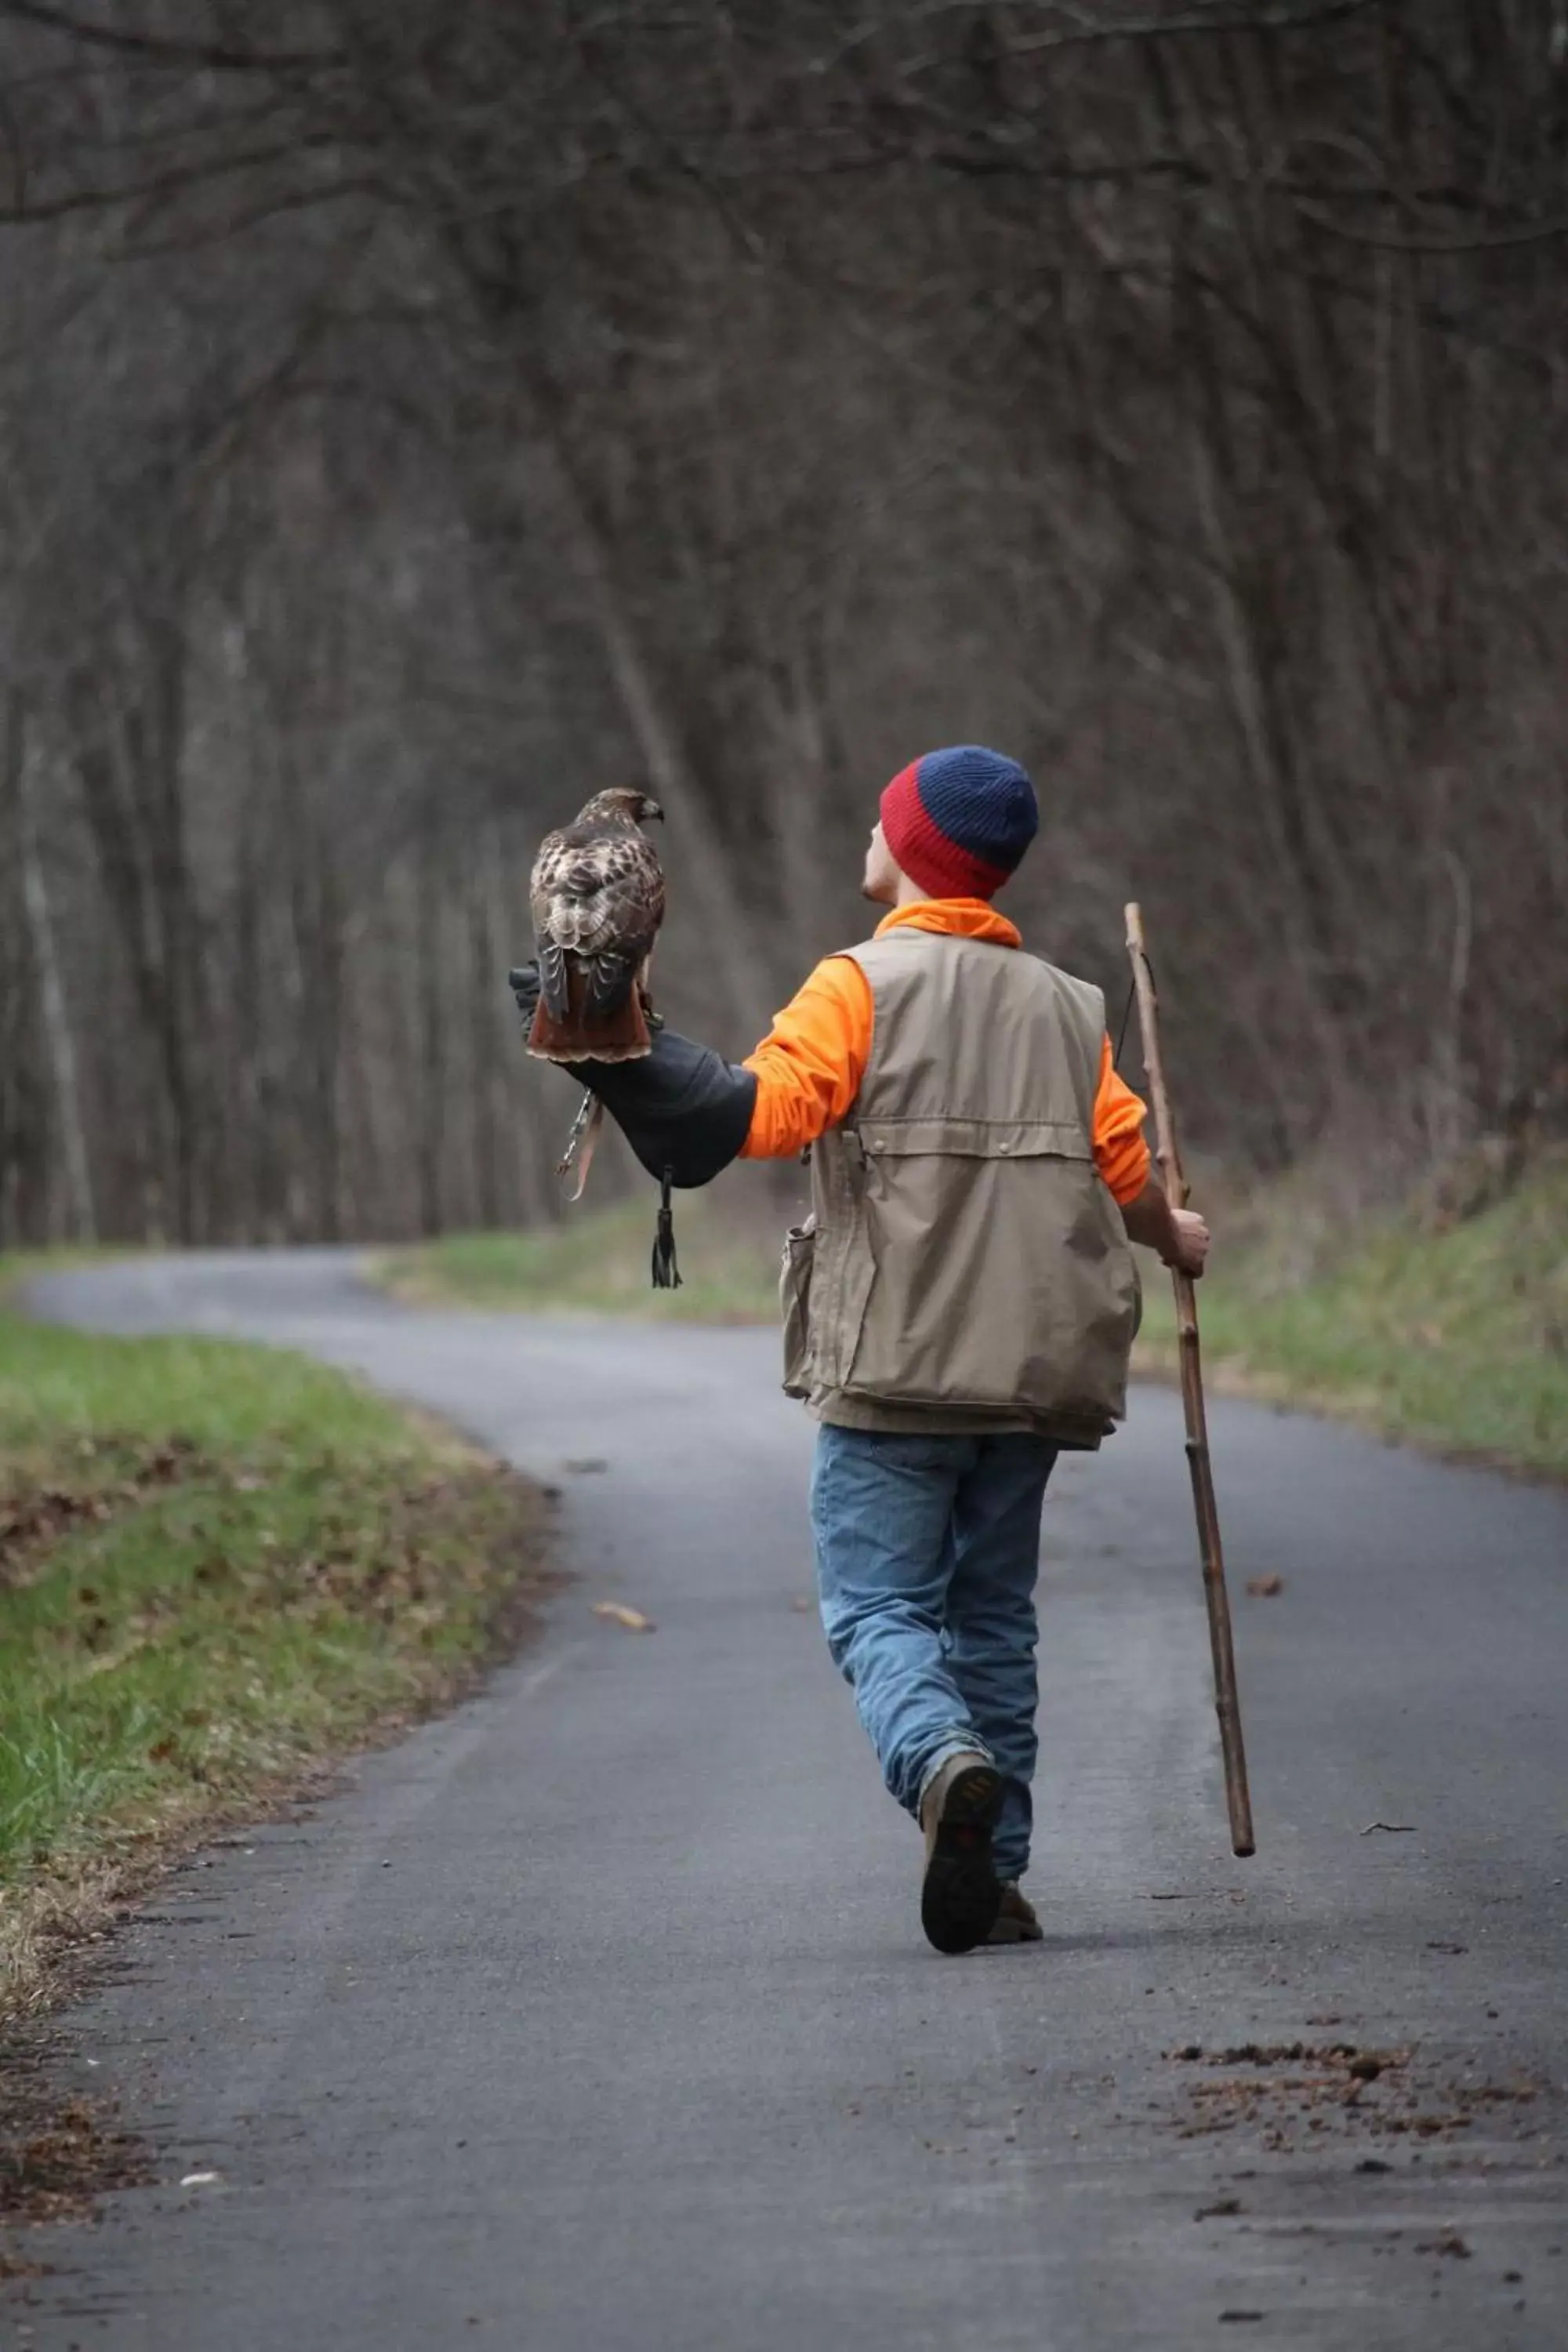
{"x": 417, "y": 413}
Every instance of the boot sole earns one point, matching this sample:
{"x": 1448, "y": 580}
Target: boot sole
{"x": 962, "y": 1893}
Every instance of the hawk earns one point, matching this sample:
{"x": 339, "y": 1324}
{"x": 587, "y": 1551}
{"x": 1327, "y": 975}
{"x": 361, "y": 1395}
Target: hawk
{"x": 598, "y": 894}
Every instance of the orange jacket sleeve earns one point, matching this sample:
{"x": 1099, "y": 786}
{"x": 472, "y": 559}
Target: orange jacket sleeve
{"x": 1120, "y": 1153}
{"x": 809, "y": 1067}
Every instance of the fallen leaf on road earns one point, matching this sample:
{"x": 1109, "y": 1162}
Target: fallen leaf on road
{"x": 1220, "y": 2210}
{"x": 1264, "y": 1588}
{"x": 615, "y": 1613}
{"x": 1450, "y": 2242}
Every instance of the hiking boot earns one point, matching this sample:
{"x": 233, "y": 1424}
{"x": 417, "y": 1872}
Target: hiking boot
{"x": 961, "y": 1895}
{"x": 1015, "y": 1920}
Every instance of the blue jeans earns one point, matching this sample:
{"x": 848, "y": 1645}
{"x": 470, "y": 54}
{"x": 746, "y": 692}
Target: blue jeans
{"x": 926, "y": 1552}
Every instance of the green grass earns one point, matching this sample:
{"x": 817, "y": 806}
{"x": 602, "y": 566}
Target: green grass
{"x": 1444, "y": 1331}
{"x": 217, "y": 1565}
{"x": 597, "y": 1261}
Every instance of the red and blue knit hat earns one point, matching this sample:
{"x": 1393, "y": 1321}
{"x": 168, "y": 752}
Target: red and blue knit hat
{"x": 957, "y": 822}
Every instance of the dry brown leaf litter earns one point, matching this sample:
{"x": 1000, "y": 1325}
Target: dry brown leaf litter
{"x": 1291, "y": 2093}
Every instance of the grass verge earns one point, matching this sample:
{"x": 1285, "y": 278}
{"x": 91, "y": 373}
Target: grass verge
{"x": 219, "y": 1566}
{"x": 1439, "y": 1329}
{"x": 1445, "y": 1326}
{"x": 597, "y": 1261}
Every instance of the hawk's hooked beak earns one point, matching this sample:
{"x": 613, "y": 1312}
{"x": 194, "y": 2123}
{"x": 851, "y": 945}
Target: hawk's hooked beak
{"x": 651, "y": 809}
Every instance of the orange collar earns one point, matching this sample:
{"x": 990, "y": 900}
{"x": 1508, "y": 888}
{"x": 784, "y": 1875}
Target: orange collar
{"x": 960, "y": 919}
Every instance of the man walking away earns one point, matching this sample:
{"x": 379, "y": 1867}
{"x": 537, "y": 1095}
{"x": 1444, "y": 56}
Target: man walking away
{"x": 960, "y": 1306}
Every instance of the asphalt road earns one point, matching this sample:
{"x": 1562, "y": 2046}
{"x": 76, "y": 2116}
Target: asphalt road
{"x": 596, "y": 2018}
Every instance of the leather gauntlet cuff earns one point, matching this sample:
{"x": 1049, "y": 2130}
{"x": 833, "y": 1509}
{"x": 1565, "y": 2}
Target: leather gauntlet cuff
{"x": 683, "y": 1109}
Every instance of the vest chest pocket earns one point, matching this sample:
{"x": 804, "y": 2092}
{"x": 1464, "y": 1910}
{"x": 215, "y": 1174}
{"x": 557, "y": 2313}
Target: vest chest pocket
{"x": 795, "y": 1300}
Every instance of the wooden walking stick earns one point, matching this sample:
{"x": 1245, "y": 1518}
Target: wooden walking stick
{"x": 1226, "y": 1705}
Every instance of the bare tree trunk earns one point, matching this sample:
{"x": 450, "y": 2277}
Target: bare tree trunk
{"x": 255, "y": 1137}
{"x": 431, "y": 1031}
{"x": 329, "y": 1031}
{"x": 25, "y": 1192}
{"x": 159, "y": 734}
{"x": 55, "y": 1015}
{"x": 486, "y": 983}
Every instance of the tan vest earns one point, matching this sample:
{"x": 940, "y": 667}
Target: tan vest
{"x": 964, "y": 1260}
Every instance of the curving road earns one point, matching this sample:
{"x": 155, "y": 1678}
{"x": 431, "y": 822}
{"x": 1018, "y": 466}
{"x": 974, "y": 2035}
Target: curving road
{"x": 596, "y": 2018}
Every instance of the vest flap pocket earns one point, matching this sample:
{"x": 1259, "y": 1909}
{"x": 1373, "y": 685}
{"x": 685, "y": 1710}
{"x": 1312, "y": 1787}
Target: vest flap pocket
{"x": 795, "y": 1300}
{"x": 973, "y": 1139}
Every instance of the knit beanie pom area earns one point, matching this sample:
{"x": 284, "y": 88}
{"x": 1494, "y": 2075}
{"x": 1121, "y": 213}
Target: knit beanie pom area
{"x": 957, "y": 822}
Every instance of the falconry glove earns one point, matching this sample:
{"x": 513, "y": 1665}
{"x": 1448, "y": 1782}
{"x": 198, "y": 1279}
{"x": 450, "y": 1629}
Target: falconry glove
{"x": 684, "y": 1109}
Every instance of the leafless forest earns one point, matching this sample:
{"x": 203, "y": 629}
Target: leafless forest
{"x": 419, "y": 413}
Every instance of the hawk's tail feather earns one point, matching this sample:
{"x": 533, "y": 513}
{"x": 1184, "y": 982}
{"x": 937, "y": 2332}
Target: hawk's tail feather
{"x": 621, "y": 1035}
{"x": 553, "y": 983}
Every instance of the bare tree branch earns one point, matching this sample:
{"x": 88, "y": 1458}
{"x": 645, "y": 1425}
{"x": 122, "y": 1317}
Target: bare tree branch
{"x": 217, "y": 57}
{"x": 160, "y": 185}
{"x": 1482, "y": 241}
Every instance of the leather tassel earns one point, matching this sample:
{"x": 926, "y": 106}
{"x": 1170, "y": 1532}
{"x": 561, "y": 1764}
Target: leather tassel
{"x": 666, "y": 1270}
